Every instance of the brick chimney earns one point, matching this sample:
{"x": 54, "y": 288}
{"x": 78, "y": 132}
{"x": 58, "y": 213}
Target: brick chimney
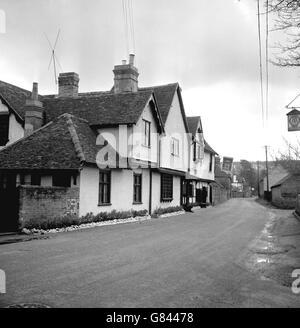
{"x": 68, "y": 84}
{"x": 126, "y": 76}
{"x": 34, "y": 112}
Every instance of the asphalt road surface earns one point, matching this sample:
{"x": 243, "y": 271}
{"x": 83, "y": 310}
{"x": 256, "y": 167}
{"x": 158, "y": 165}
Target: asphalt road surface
{"x": 192, "y": 260}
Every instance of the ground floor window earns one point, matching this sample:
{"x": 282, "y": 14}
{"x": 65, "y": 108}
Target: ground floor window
{"x": 36, "y": 179}
{"x": 166, "y": 187}
{"x": 62, "y": 180}
{"x": 104, "y": 187}
{"x": 137, "y": 188}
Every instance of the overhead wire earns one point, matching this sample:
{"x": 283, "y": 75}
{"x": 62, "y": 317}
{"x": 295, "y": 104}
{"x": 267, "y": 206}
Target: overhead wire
{"x": 124, "y": 5}
{"x": 260, "y": 63}
{"x": 127, "y": 7}
{"x": 267, "y": 60}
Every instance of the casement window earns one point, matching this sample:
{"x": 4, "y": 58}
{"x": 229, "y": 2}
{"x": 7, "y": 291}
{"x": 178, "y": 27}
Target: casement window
{"x": 36, "y": 179}
{"x": 210, "y": 162}
{"x": 137, "y": 188}
{"x": 104, "y": 187}
{"x": 61, "y": 180}
{"x": 147, "y": 133}
{"x": 3, "y": 182}
{"x": 166, "y": 185}
{"x": 4, "y": 126}
{"x": 175, "y": 147}
{"x": 197, "y": 154}
{"x": 7, "y": 182}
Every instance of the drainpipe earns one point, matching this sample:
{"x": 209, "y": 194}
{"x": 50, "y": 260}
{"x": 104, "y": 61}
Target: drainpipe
{"x": 150, "y": 191}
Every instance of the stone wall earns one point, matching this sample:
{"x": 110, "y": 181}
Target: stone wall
{"x": 219, "y": 194}
{"x": 298, "y": 205}
{"x": 283, "y": 197}
{"x": 43, "y": 203}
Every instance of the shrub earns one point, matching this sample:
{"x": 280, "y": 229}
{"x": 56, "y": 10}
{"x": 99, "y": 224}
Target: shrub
{"x": 52, "y": 223}
{"x": 88, "y": 218}
{"x": 285, "y": 203}
{"x": 171, "y": 209}
{"x": 45, "y": 223}
{"x": 188, "y": 208}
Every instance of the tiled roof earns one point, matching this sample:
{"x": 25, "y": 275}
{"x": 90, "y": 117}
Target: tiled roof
{"x": 62, "y": 144}
{"x": 164, "y": 95}
{"x": 104, "y": 109}
{"x": 15, "y": 97}
{"x": 99, "y": 107}
{"x": 208, "y": 148}
{"x": 293, "y": 112}
{"x": 193, "y": 122}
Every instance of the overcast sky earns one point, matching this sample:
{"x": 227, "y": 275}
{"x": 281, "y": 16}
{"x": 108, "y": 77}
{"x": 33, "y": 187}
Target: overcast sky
{"x": 209, "y": 46}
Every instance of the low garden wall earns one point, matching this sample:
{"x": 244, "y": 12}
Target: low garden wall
{"x": 282, "y": 199}
{"x": 219, "y": 194}
{"x": 297, "y": 207}
{"x": 285, "y": 202}
{"x": 46, "y": 203}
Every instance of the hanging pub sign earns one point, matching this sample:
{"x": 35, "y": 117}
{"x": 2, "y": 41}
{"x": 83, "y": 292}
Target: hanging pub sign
{"x": 227, "y": 164}
{"x": 293, "y": 120}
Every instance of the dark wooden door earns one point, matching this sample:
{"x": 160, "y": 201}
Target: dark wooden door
{"x": 9, "y": 203}
{"x": 198, "y": 196}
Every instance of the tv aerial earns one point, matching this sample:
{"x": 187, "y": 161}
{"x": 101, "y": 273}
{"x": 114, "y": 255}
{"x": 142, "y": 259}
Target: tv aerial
{"x": 54, "y": 58}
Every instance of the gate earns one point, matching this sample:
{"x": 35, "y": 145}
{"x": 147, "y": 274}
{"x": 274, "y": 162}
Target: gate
{"x": 9, "y": 203}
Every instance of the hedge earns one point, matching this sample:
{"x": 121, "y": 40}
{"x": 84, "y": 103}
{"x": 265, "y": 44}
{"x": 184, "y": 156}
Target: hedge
{"x": 171, "y": 209}
{"x": 70, "y": 220}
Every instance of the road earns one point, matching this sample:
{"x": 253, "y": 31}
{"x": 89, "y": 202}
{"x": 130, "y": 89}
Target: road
{"x": 192, "y": 260}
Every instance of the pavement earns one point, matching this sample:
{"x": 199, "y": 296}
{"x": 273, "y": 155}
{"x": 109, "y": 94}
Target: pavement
{"x": 200, "y": 259}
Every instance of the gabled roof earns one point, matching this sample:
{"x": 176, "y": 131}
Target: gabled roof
{"x": 164, "y": 95}
{"x": 293, "y": 112}
{"x": 104, "y": 109}
{"x": 65, "y": 143}
{"x": 193, "y": 123}
{"x": 14, "y": 97}
{"x": 99, "y": 107}
{"x": 280, "y": 182}
{"x": 208, "y": 148}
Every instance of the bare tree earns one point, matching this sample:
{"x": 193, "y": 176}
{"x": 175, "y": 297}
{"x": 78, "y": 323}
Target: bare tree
{"x": 286, "y": 14}
{"x": 289, "y": 158}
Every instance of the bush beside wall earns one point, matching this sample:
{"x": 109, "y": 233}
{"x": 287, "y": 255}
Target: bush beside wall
{"x": 45, "y": 223}
{"x": 171, "y": 209}
{"x": 285, "y": 203}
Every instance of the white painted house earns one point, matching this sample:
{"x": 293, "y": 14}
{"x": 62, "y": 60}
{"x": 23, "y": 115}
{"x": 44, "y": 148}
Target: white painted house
{"x": 129, "y": 148}
{"x": 11, "y": 124}
{"x": 197, "y": 186}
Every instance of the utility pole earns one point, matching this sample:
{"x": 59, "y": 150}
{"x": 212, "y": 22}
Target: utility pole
{"x": 267, "y": 168}
{"x": 258, "y": 188}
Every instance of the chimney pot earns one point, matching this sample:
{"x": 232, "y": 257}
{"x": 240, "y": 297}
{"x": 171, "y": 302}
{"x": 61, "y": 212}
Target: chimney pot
{"x": 34, "y": 112}
{"x": 124, "y": 62}
{"x": 35, "y": 91}
{"x": 131, "y": 59}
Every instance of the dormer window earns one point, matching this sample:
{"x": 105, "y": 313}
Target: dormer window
{"x": 4, "y": 127}
{"x": 147, "y": 134}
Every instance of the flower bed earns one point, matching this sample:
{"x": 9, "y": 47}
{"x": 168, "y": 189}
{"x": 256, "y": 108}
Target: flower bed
{"x": 70, "y": 223}
{"x": 167, "y": 211}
